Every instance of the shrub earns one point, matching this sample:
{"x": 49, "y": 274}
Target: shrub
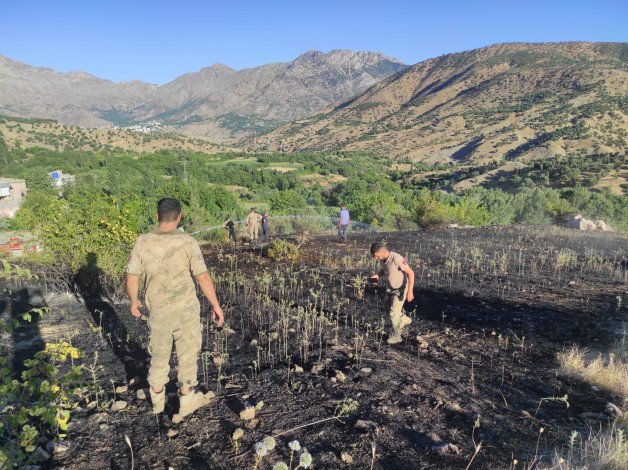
{"x": 281, "y": 250}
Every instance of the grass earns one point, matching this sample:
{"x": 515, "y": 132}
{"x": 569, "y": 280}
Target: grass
{"x": 604, "y": 450}
{"x": 610, "y": 373}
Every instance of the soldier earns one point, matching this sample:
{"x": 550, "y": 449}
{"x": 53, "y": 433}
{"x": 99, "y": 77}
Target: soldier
{"x": 170, "y": 261}
{"x": 252, "y": 222}
{"x": 399, "y": 287}
{"x": 230, "y": 226}
{"x": 343, "y": 222}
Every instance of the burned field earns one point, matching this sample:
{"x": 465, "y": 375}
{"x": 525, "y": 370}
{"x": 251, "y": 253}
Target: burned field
{"x": 303, "y": 356}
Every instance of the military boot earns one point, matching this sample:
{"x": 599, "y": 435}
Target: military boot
{"x": 158, "y": 400}
{"x": 395, "y": 338}
{"x": 191, "y": 402}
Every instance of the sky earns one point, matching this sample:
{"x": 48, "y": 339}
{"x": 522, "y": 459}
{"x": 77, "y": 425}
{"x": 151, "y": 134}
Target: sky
{"x": 157, "y": 41}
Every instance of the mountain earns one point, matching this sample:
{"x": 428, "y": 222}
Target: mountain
{"x": 217, "y": 102}
{"x": 502, "y": 102}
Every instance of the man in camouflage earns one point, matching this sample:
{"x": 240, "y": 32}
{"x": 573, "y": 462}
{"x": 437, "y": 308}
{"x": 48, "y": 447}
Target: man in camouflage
{"x": 252, "y": 222}
{"x": 170, "y": 261}
{"x": 399, "y": 287}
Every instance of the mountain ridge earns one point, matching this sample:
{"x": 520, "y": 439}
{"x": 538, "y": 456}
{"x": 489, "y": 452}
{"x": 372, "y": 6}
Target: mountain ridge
{"x": 503, "y": 98}
{"x": 196, "y": 103}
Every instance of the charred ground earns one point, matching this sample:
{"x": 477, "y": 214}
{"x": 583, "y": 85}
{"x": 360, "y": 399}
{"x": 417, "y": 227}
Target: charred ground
{"x": 493, "y": 307}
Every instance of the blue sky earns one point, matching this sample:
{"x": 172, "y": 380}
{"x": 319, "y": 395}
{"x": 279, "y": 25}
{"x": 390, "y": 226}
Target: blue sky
{"x": 157, "y": 41}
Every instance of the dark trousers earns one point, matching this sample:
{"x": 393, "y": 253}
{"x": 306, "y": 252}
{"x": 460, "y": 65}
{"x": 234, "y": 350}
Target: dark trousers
{"x": 342, "y": 232}
{"x": 265, "y": 230}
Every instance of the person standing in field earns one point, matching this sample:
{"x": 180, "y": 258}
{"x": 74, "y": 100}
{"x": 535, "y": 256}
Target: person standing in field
{"x": 170, "y": 262}
{"x": 265, "y": 225}
{"x": 252, "y": 222}
{"x": 399, "y": 287}
{"x": 230, "y": 226}
{"x": 343, "y": 222}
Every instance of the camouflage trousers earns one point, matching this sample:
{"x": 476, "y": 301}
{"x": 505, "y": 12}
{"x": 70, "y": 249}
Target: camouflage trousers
{"x": 183, "y": 327}
{"x": 394, "y": 302}
{"x": 253, "y": 231}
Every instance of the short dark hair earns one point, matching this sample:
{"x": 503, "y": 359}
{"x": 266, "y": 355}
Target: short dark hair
{"x": 377, "y": 247}
{"x": 168, "y": 209}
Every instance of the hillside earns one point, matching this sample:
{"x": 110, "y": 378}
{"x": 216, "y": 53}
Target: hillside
{"x": 504, "y": 102}
{"x": 217, "y": 102}
{"x": 49, "y": 134}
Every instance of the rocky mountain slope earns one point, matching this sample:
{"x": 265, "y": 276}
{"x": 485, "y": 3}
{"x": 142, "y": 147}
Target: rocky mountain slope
{"x": 217, "y": 102}
{"x": 503, "y": 102}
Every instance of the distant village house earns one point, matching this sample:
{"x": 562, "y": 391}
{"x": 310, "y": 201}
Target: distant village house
{"x": 61, "y": 179}
{"x": 12, "y": 193}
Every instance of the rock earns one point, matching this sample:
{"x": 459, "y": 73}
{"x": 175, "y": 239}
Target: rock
{"x": 100, "y": 418}
{"x": 341, "y": 376}
{"x": 247, "y": 413}
{"x": 141, "y": 394}
{"x": 572, "y": 283}
{"x": 446, "y": 449}
{"x": 57, "y": 447}
{"x": 580, "y": 223}
{"x": 104, "y": 427}
{"x": 133, "y": 381}
{"x": 613, "y": 410}
{"x": 594, "y": 388}
{"x": 118, "y": 405}
{"x": 365, "y": 425}
{"x": 122, "y": 389}
{"x": 254, "y": 342}
{"x": 219, "y": 361}
{"x": 237, "y": 434}
{"x": 346, "y": 458}
{"x": 602, "y": 226}
{"x": 317, "y": 368}
{"x": 298, "y": 369}
{"x": 172, "y": 433}
{"x": 366, "y": 370}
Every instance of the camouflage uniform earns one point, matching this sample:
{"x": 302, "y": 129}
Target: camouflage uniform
{"x": 252, "y": 222}
{"x": 169, "y": 262}
{"x": 396, "y": 291}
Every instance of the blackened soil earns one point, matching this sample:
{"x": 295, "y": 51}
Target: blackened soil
{"x": 492, "y": 309}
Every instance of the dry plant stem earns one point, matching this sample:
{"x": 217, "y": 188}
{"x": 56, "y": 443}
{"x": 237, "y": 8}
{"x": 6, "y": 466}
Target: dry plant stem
{"x": 128, "y": 442}
{"x": 306, "y": 425}
{"x": 477, "y": 449}
{"x": 373, "y": 447}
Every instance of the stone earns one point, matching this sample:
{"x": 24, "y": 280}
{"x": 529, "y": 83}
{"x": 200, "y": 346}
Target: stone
{"x": 100, "y": 418}
{"x": 247, "y": 413}
{"x": 341, "y": 376}
{"x": 446, "y": 449}
{"x": 365, "y": 425}
{"x": 172, "y": 433}
{"x": 141, "y": 394}
{"x": 237, "y": 434}
{"x": 118, "y": 405}
{"x": 219, "y": 361}
{"x": 317, "y": 368}
{"x": 613, "y": 410}
{"x": 122, "y": 389}
{"x": 57, "y": 448}
{"x": 298, "y": 369}
{"x": 346, "y": 458}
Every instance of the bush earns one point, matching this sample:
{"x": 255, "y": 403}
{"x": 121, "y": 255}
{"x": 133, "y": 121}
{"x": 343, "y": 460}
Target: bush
{"x": 280, "y": 250}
